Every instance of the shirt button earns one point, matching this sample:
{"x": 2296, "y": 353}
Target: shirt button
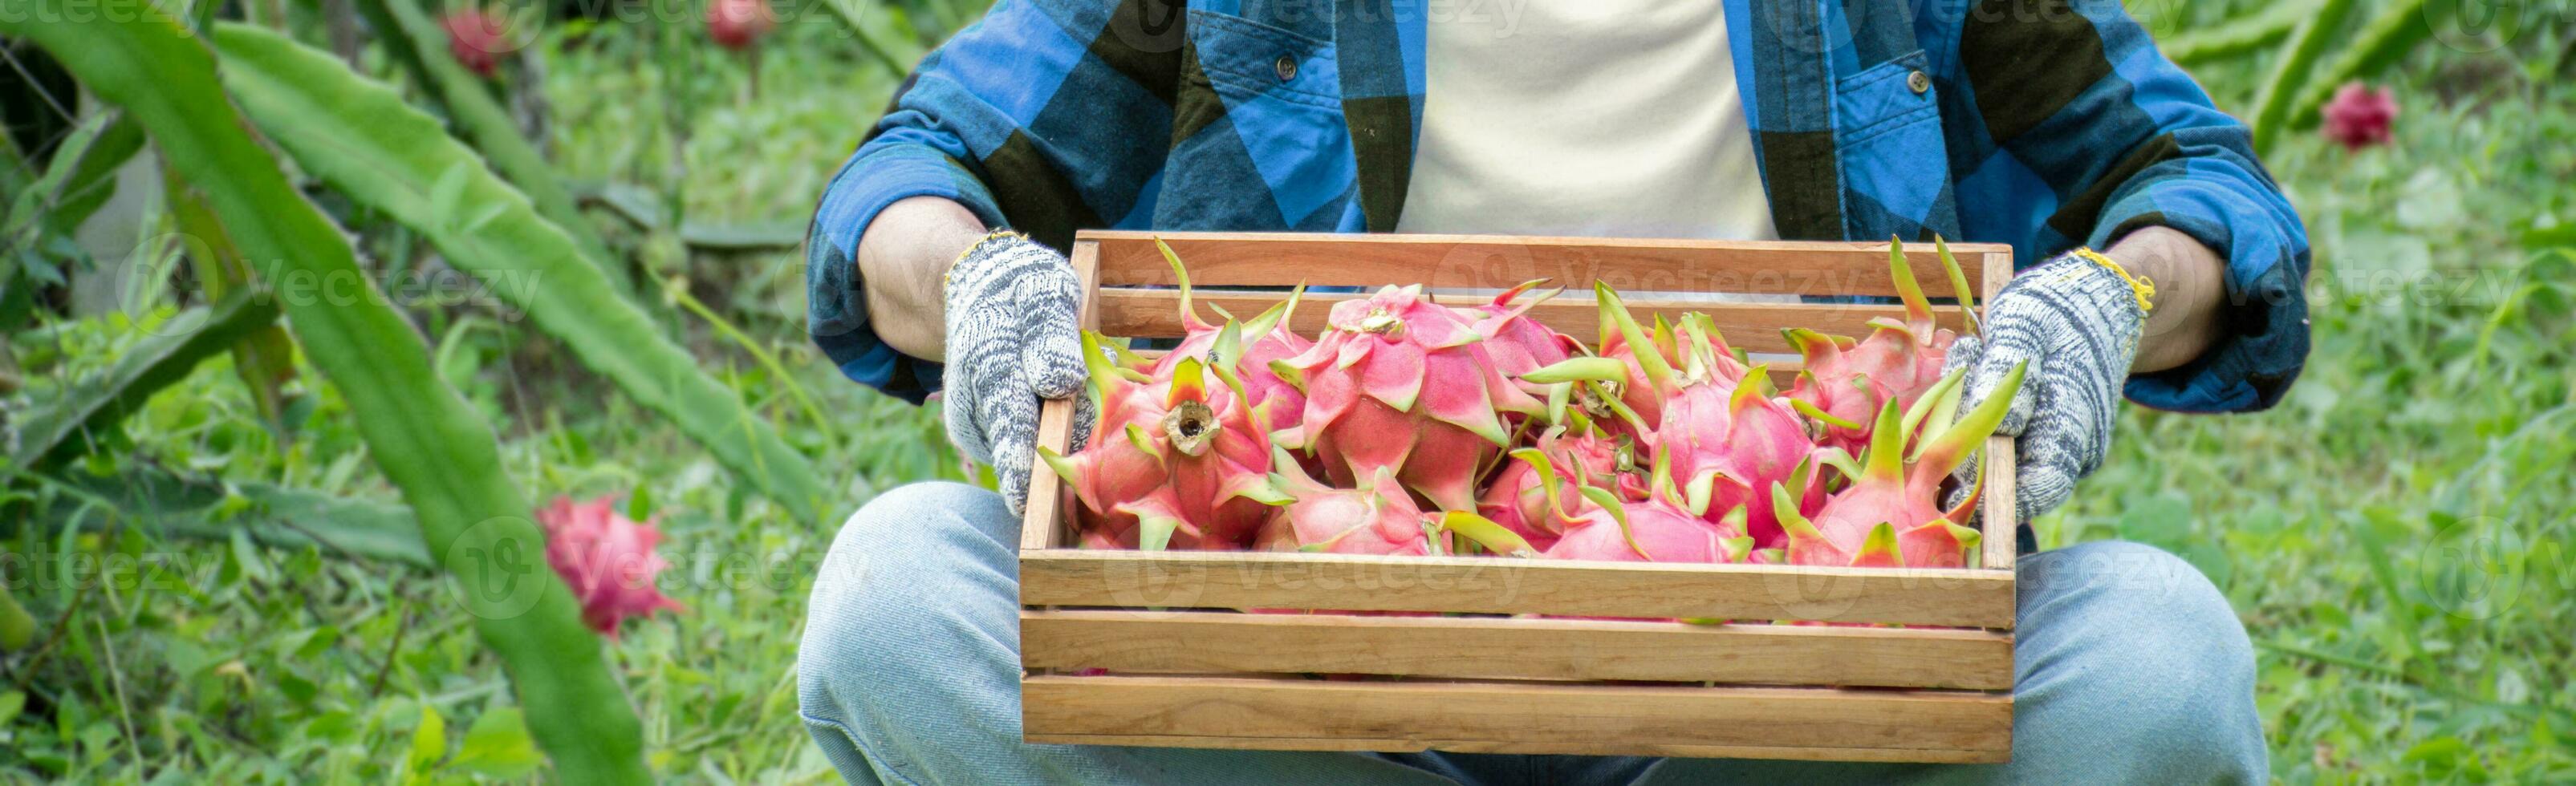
{"x": 1918, "y": 81}
{"x": 1286, "y": 66}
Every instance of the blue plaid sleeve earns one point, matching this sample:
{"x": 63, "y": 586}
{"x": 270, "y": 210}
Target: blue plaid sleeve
{"x": 1042, "y": 116}
{"x": 2085, "y": 120}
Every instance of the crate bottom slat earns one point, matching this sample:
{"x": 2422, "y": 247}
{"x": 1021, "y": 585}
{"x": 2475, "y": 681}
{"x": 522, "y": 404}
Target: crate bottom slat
{"x": 1479, "y": 717}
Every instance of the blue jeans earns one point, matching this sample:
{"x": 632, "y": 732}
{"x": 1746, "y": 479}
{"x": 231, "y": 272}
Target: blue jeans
{"x": 2130, "y": 668}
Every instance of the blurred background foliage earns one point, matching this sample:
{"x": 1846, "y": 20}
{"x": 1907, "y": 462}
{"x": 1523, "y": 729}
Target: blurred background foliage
{"x": 211, "y": 575}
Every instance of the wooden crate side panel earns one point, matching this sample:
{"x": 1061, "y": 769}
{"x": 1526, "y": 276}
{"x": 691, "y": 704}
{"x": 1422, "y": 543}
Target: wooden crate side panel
{"x": 1493, "y": 717}
{"x": 1515, "y": 648}
{"x": 1496, "y": 262}
{"x": 1485, "y": 585}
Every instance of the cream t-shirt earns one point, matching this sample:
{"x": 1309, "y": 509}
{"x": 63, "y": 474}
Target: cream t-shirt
{"x": 1584, "y": 117}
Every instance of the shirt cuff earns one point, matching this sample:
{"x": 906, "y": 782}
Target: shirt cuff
{"x": 2263, "y": 342}
{"x": 836, "y": 313}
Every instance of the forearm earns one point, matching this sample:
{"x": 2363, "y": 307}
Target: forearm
{"x": 903, "y": 259}
{"x": 2191, "y": 284}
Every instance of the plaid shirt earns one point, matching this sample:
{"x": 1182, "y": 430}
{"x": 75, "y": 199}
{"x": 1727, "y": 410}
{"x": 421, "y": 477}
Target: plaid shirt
{"x": 2058, "y": 125}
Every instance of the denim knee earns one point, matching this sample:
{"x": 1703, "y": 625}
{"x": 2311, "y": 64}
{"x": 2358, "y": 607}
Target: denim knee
{"x": 2147, "y": 642}
{"x": 905, "y": 587}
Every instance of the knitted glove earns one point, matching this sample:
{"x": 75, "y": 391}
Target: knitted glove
{"x": 2076, "y": 319}
{"x": 1012, "y": 340}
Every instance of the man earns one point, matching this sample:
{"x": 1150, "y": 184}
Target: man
{"x": 2049, "y": 127}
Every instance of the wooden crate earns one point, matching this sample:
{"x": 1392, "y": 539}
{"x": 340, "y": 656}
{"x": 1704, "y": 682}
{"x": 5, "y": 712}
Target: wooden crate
{"x": 1185, "y": 668}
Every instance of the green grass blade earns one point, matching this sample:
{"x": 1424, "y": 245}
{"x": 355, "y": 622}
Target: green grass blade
{"x": 425, "y": 438}
{"x": 359, "y": 136}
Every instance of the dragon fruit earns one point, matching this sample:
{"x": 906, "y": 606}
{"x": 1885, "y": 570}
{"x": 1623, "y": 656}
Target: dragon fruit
{"x": 1659, "y": 529}
{"x": 607, "y": 559}
{"x": 1634, "y": 378}
{"x": 1517, "y": 343}
{"x": 1400, "y": 383}
{"x": 1888, "y": 516}
{"x": 1173, "y": 461}
{"x": 1845, "y": 381}
{"x": 478, "y": 37}
{"x": 1522, "y": 496}
{"x": 1266, "y": 338}
{"x": 1378, "y": 517}
{"x": 735, "y": 24}
{"x": 1728, "y": 447}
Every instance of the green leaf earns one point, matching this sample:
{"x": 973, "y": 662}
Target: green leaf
{"x": 498, "y": 745}
{"x": 432, "y": 447}
{"x": 17, "y": 630}
{"x": 52, "y": 434}
{"x": 359, "y": 136}
{"x": 428, "y": 740}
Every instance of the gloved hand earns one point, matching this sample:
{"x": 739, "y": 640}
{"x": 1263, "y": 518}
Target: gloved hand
{"x": 1012, "y": 339}
{"x": 2076, "y": 319}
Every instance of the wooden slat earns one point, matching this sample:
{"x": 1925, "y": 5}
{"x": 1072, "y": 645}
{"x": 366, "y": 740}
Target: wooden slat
{"x": 1042, "y": 524}
{"x": 1499, "y": 261}
{"x": 2002, "y": 516}
{"x": 1839, "y": 724}
{"x": 1515, "y": 648}
{"x": 1486, "y": 585}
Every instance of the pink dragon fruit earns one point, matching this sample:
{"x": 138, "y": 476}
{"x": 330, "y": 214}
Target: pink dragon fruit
{"x": 1523, "y": 495}
{"x": 1893, "y": 499}
{"x": 1173, "y": 461}
{"x": 1376, "y": 518}
{"x": 479, "y": 38}
{"x": 1261, "y": 341}
{"x": 2359, "y": 116}
{"x": 1400, "y": 383}
{"x": 735, "y": 24}
{"x": 1634, "y": 378}
{"x": 607, "y": 559}
{"x": 1517, "y": 343}
{"x": 1728, "y": 447}
{"x": 1658, "y": 529}
{"x": 1845, "y": 381}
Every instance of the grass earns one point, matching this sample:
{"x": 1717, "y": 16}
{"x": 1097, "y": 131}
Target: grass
{"x": 2394, "y": 534}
